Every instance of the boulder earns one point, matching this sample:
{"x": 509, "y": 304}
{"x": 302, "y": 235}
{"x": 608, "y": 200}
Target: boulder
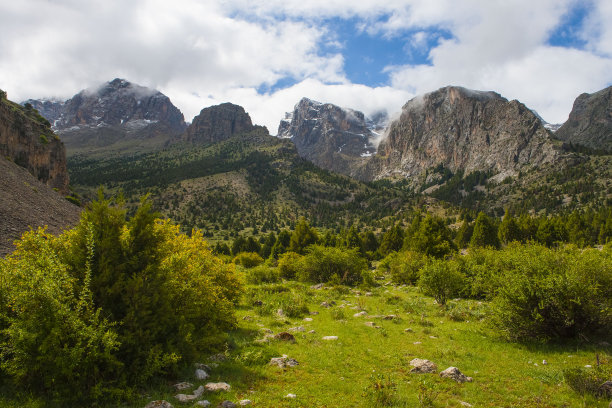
{"x": 422, "y": 366}
{"x": 220, "y": 386}
{"x": 199, "y": 391}
{"x": 285, "y": 336}
{"x": 283, "y": 361}
{"x": 454, "y": 374}
{"x": 201, "y": 374}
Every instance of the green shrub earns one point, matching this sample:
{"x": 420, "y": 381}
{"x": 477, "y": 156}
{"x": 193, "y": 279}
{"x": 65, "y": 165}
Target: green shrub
{"x": 248, "y": 259}
{"x": 442, "y": 280}
{"x": 405, "y": 267}
{"x": 289, "y": 264}
{"x": 160, "y": 297}
{"x": 322, "y": 263}
{"x": 262, "y": 274}
{"x": 585, "y": 380}
{"x": 551, "y": 294}
{"x": 381, "y": 391}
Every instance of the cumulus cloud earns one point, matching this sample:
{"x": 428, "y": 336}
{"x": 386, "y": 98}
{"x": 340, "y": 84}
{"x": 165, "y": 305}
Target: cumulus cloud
{"x": 201, "y": 53}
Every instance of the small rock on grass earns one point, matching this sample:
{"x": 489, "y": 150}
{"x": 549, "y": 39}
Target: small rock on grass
{"x": 184, "y": 398}
{"x": 331, "y": 338}
{"x": 465, "y": 404}
{"x": 201, "y": 374}
{"x": 422, "y": 366}
{"x": 159, "y": 404}
{"x": 308, "y": 319}
{"x": 244, "y": 402}
{"x": 227, "y": 404}
{"x": 290, "y": 396}
{"x": 283, "y": 361}
{"x": 454, "y": 374}
{"x": 362, "y": 313}
{"x": 183, "y": 386}
{"x": 220, "y": 386}
{"x": 199, "y": 391}
{"x": 203, "y": 403}
{"x": 285, "y": 336}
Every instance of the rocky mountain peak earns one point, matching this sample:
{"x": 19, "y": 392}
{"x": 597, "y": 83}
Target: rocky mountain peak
{"x": 590, "y": 121}
{"x": 218, "y": 123}
{"x": 332, "y": 137}
{"x": 463, "y": 129}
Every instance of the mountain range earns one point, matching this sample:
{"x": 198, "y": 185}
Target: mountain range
{"x": 470, "y": 148}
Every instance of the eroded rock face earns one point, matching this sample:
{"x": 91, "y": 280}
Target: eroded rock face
{"x": 331, "y": 137}
{"x": 463, "y": 130}
{"x": 217, "y": 123}
{"x": 590, "y": 121}
{"x": 116, "y": 111}
{"x": 26, "y": 139}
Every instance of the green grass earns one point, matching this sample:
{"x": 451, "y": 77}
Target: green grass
{"x": 344, "y": 373}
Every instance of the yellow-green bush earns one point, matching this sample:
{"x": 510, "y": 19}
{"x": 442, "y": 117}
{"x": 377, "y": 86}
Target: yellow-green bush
{"x": 248, "y": 259}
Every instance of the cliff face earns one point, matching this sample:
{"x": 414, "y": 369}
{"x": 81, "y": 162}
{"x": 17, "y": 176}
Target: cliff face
{"x": 26, "y": 139}
{"x": 116, "y": 115}
{"x": 590, "y": 121}
{"x": 463, "y": 130}
{"x": 331, "y": 137}
{"x": 217, "y": 123}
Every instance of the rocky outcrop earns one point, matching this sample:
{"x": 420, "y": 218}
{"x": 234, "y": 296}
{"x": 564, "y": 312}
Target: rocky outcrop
{"x": 26, "y": 139}
{"x": 217, "y": 123}
{"x": 590, "y": 121}
{"x": 464, "y": 130}
{"x": 331, "y": 137}
{"x": 118, "y": 112}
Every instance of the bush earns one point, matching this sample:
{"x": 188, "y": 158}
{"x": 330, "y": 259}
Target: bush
{"x": 589, "y": 380}
{"x": 106, "y": 306}
{"x": 442, "y": 280}
{"x": 405, "y": 267}
{"x": 248, "y": 259}
{"x": 289, "y": 264}
{"x": 262, "y": 274}
{"x": 322, "y": 263}
{"x": 553, "y": 294}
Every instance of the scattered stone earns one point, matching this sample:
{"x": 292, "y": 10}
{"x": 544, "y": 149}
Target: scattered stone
{"x": 308, "y": 319}
{"x": 201, "y": 374}
{"x": 317, "y": 286}
{"x": 297, "y": 329}
{"x": 244, "y": 402}
{"x": 314, "y": 313}
{"x": 203, "y": 403}
{"x": 357, "y": 292}
{"x": 199, "y": 391}
{"x": 285, "y": 336}
{"x": 290, "y": 396}
{"x": 280, "y": 313}
{"x": 544, "y": 362}
{"x": 184, "y": 398}
{"x": 227, "y": 404}
{"x": 217, "y": 357}
{"x": 354, "y": 307}
{"x": 328, "y": 304}
{"x": 588, "y": 366}
{"x": 417, "y": 342}
{"x": 247, "y": 317}
{"x": 465, "y": 404}
{"x": 370, "y": 324}
{"x": 432, "y": 337}
{"x": 330, "y": 337}
{"x": 312, "y": 332}
{"x": 454, "y": 374}
{"x": 368, "y": 293}
{"x": 362, "y": 313}
{"x": 267, "y": 331}
{"x": 183, "y": 386}
{"x": 159, "y": 404}
{"x": 283, "y": 361}
{"x": 220, "y": 386}
{"x": 408, "y": 330}
{"x": 422, "y": 366}
{"x": 390, "y": 317}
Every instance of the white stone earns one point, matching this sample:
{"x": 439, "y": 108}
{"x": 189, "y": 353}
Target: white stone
{"x": 199, "y": 391}
{"x": 362, "y": 313}
{"x": 308, "y": 319}
{"x": 454, "y": 374}
{"x": 184, "y": 398}
{"x": 203, "y": 403}
{"x": 244, "y": 402}
{"x": 330, "y": 337}
{"x": 422, "y": 366}
{"x": 159, "y": 404}
{"x": 290, "y": 396}
{"x": 201, "y": 374}
{"x": 220, "y": 386}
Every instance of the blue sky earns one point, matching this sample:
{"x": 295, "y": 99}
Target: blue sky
{"x": 267, "y": 54}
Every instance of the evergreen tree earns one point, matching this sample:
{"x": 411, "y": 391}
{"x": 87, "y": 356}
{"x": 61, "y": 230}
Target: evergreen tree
{"x": 509, "y": 230}
{"x": 485, "y": 232}
{"x": 433, "y": 238}
{"x": 282, "y": 244}
{"x": 464, "y": 234}
{"x": 392, "y": 240}
{"x": 302, "y": 237}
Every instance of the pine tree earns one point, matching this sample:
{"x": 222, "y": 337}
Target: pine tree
{"x": 485, "y": 232}
{"x": 509, "y": 230}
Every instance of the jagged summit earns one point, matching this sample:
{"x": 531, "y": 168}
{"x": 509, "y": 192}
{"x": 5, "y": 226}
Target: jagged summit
{"x": 463, "y": 129}
{"x": 218, "y": 123}
{"x": 590, "y": 121}
{"x": 113, "y": 115}
{"x": 332, "y": 137}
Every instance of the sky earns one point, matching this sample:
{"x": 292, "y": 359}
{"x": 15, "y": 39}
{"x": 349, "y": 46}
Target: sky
{"x": 265, "y": 55}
